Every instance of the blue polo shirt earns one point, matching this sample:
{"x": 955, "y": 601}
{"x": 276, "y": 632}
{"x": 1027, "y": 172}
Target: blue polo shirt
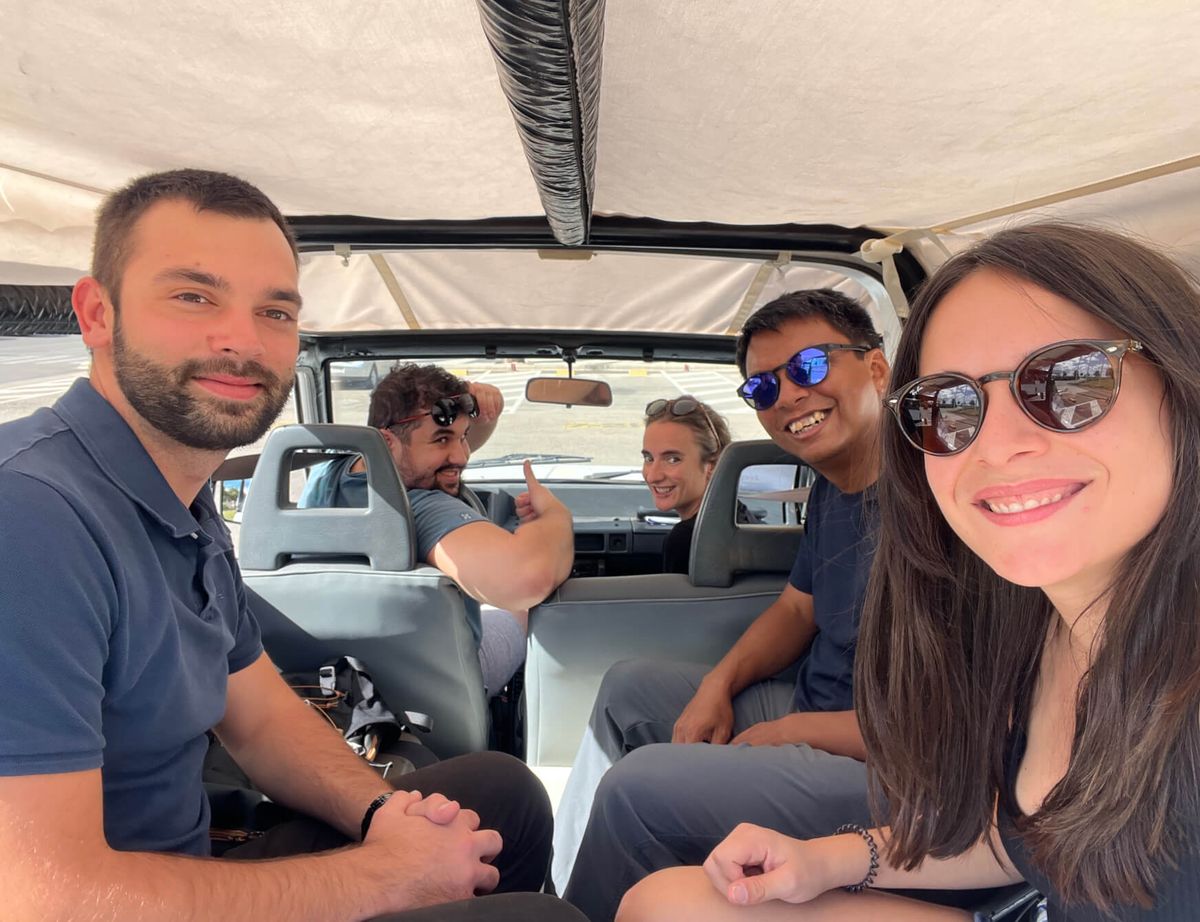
{"x": 122, "y": 615}
{"x": 832, "y": 566}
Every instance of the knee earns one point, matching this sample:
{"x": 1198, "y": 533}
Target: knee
{"x": 620, "y": 676}
{"x": 511, "y": 780}
{"x": 623, "y": 686}
{"x": 663, "y": 895}
{"x": 638, "y": 781}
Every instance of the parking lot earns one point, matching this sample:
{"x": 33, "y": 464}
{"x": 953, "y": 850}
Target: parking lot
{"x": 34, "y": 371}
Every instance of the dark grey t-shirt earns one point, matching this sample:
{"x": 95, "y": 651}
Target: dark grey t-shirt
{"x": 435, "y": 512}
{"x": 122, "y": 615}
{"x": 832, "y": 566}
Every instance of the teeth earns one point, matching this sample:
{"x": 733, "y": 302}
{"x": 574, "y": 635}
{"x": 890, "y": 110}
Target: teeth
{"x": 1014, "y": 507}
{"x": 807, "y": 422}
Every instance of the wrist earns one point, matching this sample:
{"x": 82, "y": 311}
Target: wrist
{"x": 369, "y": 814}
{"x": 718, "y": 682}
{"x": 858, "y": 862}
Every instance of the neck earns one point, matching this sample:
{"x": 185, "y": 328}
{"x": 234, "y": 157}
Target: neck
{"x": 1081, "y": 612}
{"x": 186, "y": 470}
{"x": 855, "y": 468}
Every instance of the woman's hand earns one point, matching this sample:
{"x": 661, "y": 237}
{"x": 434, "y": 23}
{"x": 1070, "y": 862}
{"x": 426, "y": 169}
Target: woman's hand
{"x": 754, "y": 865}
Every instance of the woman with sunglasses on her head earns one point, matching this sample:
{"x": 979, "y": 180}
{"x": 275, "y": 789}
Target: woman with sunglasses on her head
{"x": 1028, "y": 672}
{"x": 680, "y": 446}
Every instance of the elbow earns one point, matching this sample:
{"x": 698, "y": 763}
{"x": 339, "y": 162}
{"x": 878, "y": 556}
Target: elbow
{"x": 532, "y": 588}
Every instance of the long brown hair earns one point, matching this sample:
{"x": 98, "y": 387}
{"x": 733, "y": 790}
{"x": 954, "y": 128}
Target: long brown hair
{"x": 948, "y": 651}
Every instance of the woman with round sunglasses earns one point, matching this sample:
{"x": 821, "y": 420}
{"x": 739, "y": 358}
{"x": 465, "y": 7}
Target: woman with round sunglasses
{"x": 1028, "y": 671}
{"x": 680, "y": 446}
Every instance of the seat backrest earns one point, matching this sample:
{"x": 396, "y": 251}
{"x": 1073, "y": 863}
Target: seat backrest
{"x": 722, "y": 547}
{"x": 344, "y": 581}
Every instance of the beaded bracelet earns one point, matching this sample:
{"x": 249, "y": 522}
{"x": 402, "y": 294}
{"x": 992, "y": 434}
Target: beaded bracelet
{"x": 870, "y": 840}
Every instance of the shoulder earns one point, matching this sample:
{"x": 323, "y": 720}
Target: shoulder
{"x": 47, "y": 532}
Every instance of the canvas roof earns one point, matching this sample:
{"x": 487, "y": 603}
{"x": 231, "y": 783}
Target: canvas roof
{"x": 888, "y": 115}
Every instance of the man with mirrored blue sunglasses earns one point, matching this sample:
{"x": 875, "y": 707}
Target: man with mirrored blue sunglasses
{"x": 696, "y": 750}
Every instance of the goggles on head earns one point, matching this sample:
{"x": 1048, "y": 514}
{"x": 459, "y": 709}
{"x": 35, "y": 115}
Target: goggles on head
{"x": 446, "y": 410}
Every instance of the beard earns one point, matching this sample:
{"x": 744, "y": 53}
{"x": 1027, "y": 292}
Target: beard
{"x": 160, "y": 395}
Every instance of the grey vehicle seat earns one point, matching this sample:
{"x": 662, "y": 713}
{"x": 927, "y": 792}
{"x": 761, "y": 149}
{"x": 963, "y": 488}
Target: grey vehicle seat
{"x": 346, "y": 581}
{"x": 589, "y": 624}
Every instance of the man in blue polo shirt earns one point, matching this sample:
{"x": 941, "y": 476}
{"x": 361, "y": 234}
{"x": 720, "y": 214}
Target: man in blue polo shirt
{"x": 698, "y": 750}
{"x": 127, "y": 634}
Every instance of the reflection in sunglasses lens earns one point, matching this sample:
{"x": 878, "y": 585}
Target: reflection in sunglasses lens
{"x": 808, "y": 367}
{"x": 1067, "y": 387}
{"x": 941, "y": 415}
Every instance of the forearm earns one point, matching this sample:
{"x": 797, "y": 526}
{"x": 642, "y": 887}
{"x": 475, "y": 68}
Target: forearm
{"x": 480, "y": 432}
{"x": 835, "y": 732}
{"x": 133, "y": 886}
{"x": 772, "y": 643}
{"x": 299, "y": 760}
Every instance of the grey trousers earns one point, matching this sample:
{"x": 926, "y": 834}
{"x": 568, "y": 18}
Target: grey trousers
{"x": 635, "y": 803}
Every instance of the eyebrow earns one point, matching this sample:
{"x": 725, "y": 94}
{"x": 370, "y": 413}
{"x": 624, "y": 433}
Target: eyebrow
{"x": 209, "y": 280}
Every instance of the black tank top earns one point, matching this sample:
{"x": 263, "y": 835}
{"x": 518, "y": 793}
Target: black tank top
{"x": 1178, "y": 896}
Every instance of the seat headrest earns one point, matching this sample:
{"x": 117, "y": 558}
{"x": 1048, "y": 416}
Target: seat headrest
{"x": 720, "y": 547}
{"x": 273, "y": 529}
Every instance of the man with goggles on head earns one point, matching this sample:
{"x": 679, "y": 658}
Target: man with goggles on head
{"x": 431, "y": 420}
{"x": 815, "y": 374}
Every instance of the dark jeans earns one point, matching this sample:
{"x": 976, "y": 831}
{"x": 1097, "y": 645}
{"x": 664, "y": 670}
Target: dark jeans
{"x": 507, "y": 797}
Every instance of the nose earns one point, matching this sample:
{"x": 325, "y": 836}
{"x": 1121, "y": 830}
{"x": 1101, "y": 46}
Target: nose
{"x": 237, "y": 333}
{"x": 1006, "y": 432}
{"x": 460, "y": 454}
{"x": 790, "y": 393}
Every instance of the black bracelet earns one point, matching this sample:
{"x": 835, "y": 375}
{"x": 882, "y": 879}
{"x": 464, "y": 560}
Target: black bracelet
{"x": 370, "y": 814}
{"x": 874, "y": 869}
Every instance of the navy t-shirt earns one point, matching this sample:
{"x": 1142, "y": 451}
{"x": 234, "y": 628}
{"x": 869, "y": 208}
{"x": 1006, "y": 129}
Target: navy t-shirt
{"x": 832, "y": 566}
{"x": 122, "y": 614}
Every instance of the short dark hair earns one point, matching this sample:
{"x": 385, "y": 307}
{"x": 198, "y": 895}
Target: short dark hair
{"x": 409, "y": 389}
{"x": 207, "y": 190}
{"x": 844, "y": 314}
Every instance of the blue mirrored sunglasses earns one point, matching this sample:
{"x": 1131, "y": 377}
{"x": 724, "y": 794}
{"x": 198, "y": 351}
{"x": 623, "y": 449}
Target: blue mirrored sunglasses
{"x": 808, "y": 367}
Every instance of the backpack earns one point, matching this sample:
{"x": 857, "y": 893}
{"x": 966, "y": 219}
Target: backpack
{"x": 343, "y": 693}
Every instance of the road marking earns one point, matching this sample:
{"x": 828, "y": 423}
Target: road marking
{"x": 46, "y": 387}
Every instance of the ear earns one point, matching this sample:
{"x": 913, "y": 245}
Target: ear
{"x": 94, "y": 311}
{"x": 880, "y": 370}
{"x": 395, "y": 446}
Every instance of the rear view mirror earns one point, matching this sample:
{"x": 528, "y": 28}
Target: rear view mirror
{"x": 569, "y": 391}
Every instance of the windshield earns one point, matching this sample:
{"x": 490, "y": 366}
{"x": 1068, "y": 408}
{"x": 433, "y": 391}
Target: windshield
{"x": 569, "y": 443}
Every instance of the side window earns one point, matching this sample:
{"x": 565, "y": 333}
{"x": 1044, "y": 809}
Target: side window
{"x": 773, "y": 494}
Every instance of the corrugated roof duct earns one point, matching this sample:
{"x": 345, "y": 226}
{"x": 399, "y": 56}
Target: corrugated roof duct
{"x": 548, "y": 54}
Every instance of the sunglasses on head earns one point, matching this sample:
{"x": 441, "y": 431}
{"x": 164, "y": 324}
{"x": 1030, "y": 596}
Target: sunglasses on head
{"x": 808, "y": 367}
{"x": 680, "y": 406}
{"x": 1063, "y": 387}
{"x": 446, "y": 410}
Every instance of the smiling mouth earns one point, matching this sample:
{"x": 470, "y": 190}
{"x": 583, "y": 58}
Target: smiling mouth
{"x": 1012, "y": 505}
{"x": 230, "y": 388}
{"x": 807, "y": 423}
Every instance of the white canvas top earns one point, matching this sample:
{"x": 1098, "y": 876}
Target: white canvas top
{"x": 889, "y": 114}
